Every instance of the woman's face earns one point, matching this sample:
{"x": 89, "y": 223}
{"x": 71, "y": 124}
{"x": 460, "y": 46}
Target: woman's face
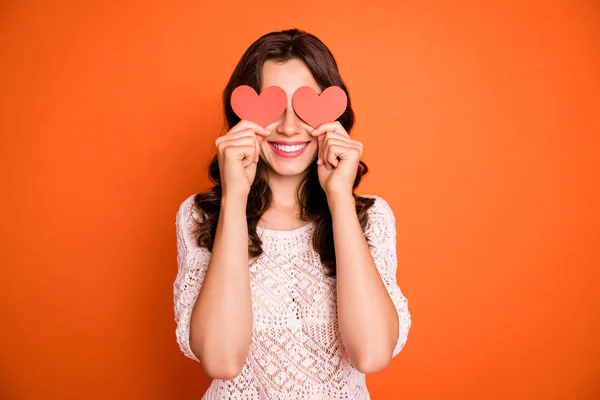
{"x": 289, "y": 149}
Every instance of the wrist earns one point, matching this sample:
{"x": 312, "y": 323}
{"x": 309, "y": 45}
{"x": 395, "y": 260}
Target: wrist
{"x": 341, "y": 200}
{"x": 234, "y": 201}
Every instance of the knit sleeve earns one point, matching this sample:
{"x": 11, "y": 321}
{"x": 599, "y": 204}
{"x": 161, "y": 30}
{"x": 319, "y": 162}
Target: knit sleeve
{"x": 381, "y": 233}
{"x": 192, "y": 261}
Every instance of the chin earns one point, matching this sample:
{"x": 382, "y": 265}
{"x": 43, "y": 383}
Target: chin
{"x": 286, "y": 165}
{"x": 290, "y": 167}
{"x": 289, "y": 170}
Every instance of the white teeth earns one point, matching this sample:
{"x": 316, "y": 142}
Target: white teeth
{"x": 288, "y": 149}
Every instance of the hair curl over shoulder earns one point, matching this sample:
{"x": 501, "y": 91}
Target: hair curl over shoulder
{"x": 282, "y": 46}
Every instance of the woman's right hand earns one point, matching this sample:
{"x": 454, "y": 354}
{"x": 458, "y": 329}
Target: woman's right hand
{"x": 237, "y": 153}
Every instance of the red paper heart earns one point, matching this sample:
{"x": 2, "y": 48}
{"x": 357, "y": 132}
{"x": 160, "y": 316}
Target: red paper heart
{"x": 316, "y": 110}
{"x": 263, "y": 109}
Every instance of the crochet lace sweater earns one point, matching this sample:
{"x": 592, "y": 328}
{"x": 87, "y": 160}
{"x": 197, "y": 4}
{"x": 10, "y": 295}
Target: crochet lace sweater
{"x": 296, "y": 350}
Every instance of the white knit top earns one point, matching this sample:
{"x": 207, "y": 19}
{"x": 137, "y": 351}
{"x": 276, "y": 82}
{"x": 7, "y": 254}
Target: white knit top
{"x": 296, "y": 350}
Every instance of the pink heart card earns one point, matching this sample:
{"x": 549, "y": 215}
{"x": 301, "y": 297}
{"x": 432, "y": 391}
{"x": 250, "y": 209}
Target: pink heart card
{"x": 263, "y": 109}
{"x": 317, "y": 109}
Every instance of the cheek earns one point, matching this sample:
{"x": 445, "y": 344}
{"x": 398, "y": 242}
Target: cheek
{"x": 264, "y": 147}
{"x": 312, "y": 150}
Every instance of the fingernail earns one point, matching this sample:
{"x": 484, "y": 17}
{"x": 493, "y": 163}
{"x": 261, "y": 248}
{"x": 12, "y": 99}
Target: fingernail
{"x": 267, "y": 131}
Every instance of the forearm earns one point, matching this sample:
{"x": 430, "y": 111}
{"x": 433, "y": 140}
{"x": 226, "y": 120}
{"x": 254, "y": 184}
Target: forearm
{"x": 368, "y": 320}
{"x": 221, "y": 323}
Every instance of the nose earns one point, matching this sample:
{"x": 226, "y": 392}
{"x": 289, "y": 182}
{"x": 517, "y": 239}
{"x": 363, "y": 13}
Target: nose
{"x": 290, "y": 124}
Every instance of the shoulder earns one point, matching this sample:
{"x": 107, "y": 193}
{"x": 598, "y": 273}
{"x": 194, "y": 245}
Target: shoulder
{"x": 188, "y": 210}
{"x": 380, "y": 210}
{"x": 188, "y": 219}
{"x": 381, "y": 225}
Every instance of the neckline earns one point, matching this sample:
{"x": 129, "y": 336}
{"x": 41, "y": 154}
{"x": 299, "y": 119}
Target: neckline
{"x": 293, "y": 232}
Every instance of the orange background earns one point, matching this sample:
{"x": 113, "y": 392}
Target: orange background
{"x": 481, "y": 126}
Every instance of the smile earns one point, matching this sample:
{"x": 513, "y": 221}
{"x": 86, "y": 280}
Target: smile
{"x": 288, "y": 149}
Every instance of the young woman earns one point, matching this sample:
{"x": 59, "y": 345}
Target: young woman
{"x": 286, "y": 287}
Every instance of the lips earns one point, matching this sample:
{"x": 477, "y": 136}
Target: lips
{"x": 288, "y": 149}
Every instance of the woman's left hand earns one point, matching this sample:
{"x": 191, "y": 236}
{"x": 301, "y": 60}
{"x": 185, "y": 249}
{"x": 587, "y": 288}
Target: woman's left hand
{"x": 338, "y": 158}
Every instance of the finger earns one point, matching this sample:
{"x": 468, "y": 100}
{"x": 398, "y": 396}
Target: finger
{"x": 333, "y": 140}
{"x": 237, "y": 135}
{"x": 335, "y": 126}
{"x": 246, "y": 139}
{"x": 248, "y": 160}
{"x": 245, "y": 124}
{"x": 321, "y": 147}
{"x": 335, "y": 151}
{"x": 234, "y": 135}
{"x": 339, "y": 141}
{"x": 244, "y": 153}
{"x": 257, "y": 145}
{"x": 327, "y": 143}
{"x": 336, "y": 135}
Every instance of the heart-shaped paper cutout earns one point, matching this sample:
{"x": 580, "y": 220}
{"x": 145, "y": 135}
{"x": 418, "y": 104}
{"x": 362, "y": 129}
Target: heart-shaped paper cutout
{"x": 264, "y": 109}
{"x": 316, "y": 110}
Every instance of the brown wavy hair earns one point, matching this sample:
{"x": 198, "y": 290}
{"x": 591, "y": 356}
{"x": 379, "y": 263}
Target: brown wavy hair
{"x": 282, "y": 46}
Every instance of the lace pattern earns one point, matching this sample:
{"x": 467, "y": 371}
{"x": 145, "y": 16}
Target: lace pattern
{"x": 296, "y": 350}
